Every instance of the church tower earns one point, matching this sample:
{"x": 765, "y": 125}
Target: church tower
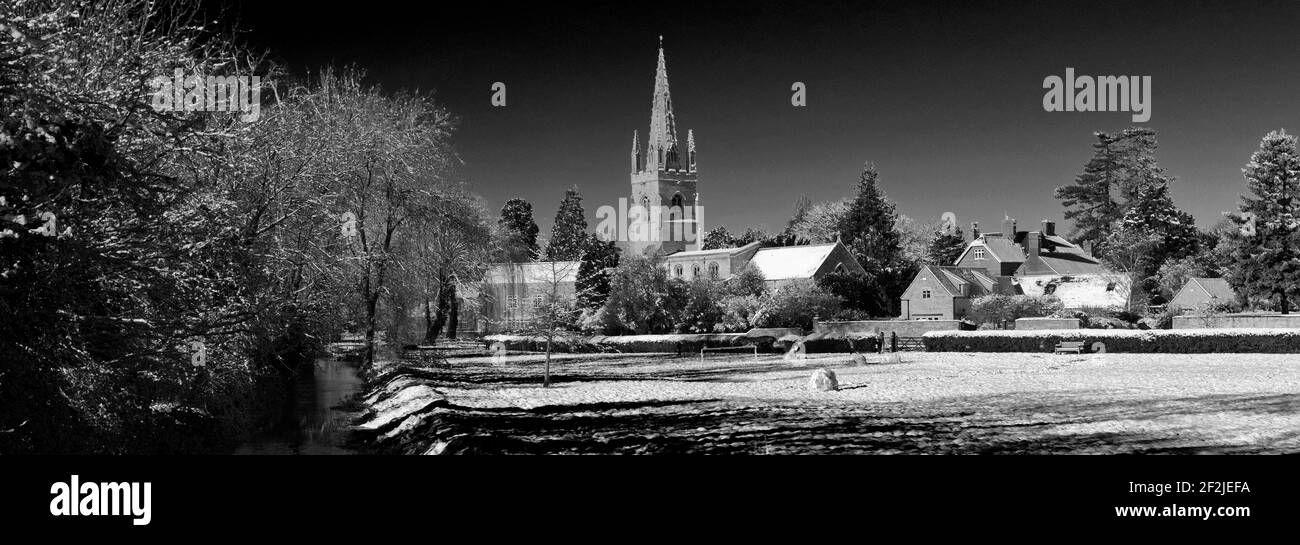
{"x": 663, "y": 181}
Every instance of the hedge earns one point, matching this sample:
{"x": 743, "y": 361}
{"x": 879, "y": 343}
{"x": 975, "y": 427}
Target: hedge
{"x": 629, "y": 343}
{"x": 1176, "y": 341}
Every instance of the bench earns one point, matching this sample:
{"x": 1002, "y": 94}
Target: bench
{"x": 1067, "y": 347}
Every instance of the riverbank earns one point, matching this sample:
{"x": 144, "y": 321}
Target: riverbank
{"x": 929, "y": 403}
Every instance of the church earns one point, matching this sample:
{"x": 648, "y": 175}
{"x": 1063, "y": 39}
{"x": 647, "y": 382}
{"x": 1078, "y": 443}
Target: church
{"x": 665, "y": 179}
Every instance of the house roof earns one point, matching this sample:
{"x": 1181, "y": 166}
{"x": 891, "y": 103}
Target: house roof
{"x": 1216, "y": 287}
{"x": 953, "y": 278}
{"x": 540, "y": 272}
{"x": 790, "y": 262}
{"x": 714, "y": 252}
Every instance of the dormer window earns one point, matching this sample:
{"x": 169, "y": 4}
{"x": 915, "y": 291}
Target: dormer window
{"x": 979, "y": 253}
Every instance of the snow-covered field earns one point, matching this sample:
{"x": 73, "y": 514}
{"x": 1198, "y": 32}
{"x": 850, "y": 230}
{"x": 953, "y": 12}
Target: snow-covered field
{"x": 929, "y": 403}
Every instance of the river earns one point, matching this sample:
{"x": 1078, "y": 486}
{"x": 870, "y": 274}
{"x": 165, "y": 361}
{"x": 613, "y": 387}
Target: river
{"x": 312, "y": 424}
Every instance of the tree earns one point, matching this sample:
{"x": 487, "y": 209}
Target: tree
{"x": 703, "y": 306}
{"x": 396, "y": 149}
{"x": 868, "y": 229}
{"x": 557, "y": 310}
{"x": 569, "y": 233}
{"x": 718, "y": 237}
{"x": 1122, "y": 165}
{"x": 753, "y": 234}
{"x": 1131, "y": 251}
{"x": 1263, "y": 251}
{"x": 639, "y": 295}
{"x": 946, "y": 245}
{"x": 1152, "y": 212}
{"x": 519, "y": 231}
{"x": 447, "y": 251}
{"x": 859, "y": 292}
{"x": 999, "y": 309}
{"x": 598, "y": 262}
{"x": 820, "y": 223}
{"x": 796, "y": 304}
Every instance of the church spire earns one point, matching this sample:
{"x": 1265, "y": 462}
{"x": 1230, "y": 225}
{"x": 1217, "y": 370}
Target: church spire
{"x": 636, "y": 152}
{"x": 661, "y": 145}
{"x": 690, "y": 150}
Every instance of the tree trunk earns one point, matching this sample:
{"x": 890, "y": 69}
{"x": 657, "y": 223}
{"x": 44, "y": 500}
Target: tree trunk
{"x": 371, "y": 303}
{"x": 453, "y": 313}
{"x": 439, "y": 314}
{"x": 1286, "y": 305}
{"x": 546, "y": 376}
{"x": 430, "y": 332}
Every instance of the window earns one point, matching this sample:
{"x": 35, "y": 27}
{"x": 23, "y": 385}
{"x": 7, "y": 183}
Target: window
{"x": 713, "y": 271}
{"x": 695, "y": 270}
{"x": 839, "y": 269}
{"x": 925, "y": 294}
{"x": 677, "y": 271}
{"x": 979, "y": 253}
{"x": 1110, "y": 286}
{"x": 674, "y": 214}
{"x": 1049, "y": 289}
{"x": 538, "y": 301}
{"x": 512, "y": 302}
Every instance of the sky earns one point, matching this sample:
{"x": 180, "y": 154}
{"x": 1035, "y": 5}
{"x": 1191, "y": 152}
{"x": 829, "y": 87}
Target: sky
{"x": 946, "y": 98}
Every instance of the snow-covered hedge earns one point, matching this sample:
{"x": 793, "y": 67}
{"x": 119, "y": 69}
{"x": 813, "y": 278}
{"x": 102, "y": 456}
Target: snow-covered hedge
{"x": 624, "y": 343}
{"x": 1181, "y": 341}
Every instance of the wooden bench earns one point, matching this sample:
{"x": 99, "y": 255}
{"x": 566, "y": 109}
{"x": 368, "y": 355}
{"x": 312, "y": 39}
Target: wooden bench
{"x": 1070, "y": 347}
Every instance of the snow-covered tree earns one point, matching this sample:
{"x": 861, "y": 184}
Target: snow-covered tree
{"x": 1265, "y": 250}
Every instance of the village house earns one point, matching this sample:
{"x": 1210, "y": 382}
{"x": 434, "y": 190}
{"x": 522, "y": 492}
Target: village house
{"x": 1014, "y": 262}
{"x": 1200, "y": 293}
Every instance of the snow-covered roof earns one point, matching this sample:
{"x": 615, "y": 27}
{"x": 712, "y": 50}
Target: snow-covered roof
{"x": 713, "y": 252}
{"x": 791, "y": 262}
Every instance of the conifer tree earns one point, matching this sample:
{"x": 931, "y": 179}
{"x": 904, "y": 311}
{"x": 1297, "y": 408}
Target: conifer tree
{"x": 569, "y": 233}
{"x": 1264, "y": 251}
{"x": 519, "y": 231}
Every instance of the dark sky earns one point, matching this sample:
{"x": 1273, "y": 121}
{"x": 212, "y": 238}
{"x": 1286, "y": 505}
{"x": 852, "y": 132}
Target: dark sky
{"x": 945, "y": 97}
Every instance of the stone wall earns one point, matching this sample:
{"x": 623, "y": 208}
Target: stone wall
{"x": 1046, "y": 323}
{"x": 1237, "y": 321}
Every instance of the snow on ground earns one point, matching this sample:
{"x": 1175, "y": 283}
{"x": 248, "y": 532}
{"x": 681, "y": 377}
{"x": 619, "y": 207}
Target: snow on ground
{"x": 939, "y": 402}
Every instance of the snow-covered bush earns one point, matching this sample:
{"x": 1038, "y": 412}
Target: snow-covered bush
{"x": 1178, "y": 341}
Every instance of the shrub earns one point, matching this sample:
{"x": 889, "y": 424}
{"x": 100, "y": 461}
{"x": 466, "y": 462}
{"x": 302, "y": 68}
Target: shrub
{"x": 1179, "y": 341}
{"x": 739, "y": 313}
{"x": 1007, "y": 308}
{"x": 795, "y": 304}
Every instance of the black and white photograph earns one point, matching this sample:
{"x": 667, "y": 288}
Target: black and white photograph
{"x": 978, "y": 230}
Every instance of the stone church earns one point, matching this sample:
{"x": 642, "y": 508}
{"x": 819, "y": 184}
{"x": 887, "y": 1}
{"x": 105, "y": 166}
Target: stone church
{"x": 664, "y": 179}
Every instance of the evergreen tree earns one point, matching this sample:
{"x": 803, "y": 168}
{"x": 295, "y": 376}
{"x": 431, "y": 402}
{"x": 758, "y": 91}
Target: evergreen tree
{"x": 569, "y": 233}
{"x": 946, "y": 245}
{"x": 1122, "y": 167}
{"x": 519, "y": 231}
{"x": 1264, "y": 251}
{"x": 868, "y": 229}
{"x": 598, "y": 262}
{"x": 718, "y": 237}
{"x": 1153, "y": 212}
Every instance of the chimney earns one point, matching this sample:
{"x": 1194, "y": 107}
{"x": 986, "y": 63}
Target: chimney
{"x": 974, "y": 230}
{"x": 1033, "y": 244}
{"x": 1049, "y": 228}
{"x": 1009, "y": 229}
